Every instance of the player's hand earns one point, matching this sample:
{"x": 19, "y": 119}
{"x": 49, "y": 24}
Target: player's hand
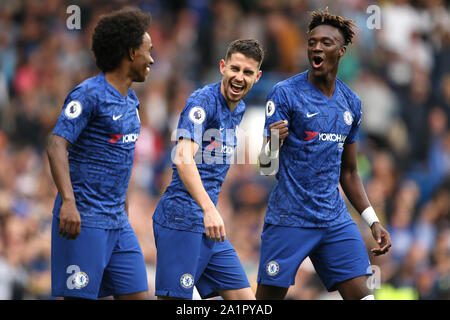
{"x": 280, "y": 129}
{"x": 382, "y": 237}
{"x": 70, "y": 221}
{"x": 214, "y": 226}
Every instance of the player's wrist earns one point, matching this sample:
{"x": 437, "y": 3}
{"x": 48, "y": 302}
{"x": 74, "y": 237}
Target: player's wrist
{"x": 374, "y": 224}
{"x": 369, "y": 216}
{"x": 210, "y": 207}
{"x": 68, "y": 199}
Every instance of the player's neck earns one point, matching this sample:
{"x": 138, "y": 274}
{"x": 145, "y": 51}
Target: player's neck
{"x": 325, "y": 84}
{"x": 119, "y": 80}
{"x": 232, "y": 105}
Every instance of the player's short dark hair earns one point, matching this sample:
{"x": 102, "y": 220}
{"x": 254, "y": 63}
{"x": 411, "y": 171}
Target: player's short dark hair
{"x": 345, "y": 26}
{"x": 116, "y": 33}
{"x": 250, "y": 48}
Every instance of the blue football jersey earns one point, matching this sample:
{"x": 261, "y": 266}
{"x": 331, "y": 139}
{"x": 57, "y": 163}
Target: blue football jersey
{"x": 102, "y": 126}
{"x": 307, "y": 193}
{"x": 207, "y": 120}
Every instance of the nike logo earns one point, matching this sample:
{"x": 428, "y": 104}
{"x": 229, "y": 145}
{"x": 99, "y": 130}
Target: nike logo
{"x": 117, "y": 117}
{"x": 308, "y": 115}
{"x": 221, "y": 128}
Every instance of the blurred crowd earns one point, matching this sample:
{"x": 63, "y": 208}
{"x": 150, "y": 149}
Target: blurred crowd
{"x": 401, "y": 71}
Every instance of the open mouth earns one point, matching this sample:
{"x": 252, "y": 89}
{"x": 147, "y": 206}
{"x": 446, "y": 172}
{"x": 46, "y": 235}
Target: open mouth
{"x": 236, "y": 88}
{"x": 317, "y": 62}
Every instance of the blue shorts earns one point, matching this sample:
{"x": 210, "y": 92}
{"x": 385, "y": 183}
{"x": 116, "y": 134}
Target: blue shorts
{"x": 187, "y": 259}
{"x": 338, "y": 254}
{"x": 98, "y": 263}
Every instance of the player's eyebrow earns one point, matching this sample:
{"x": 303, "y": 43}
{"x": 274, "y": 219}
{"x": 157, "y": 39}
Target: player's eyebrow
{"x": 246, "y": 70}
{"x": 323, "y": 38}
{"x": 335, "y": 40}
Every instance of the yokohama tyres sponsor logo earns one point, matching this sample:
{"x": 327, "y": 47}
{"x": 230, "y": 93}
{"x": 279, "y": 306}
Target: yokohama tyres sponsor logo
{"x": 330, "y": 137}
{"x": 126, "y": 138}
{"x": 223, "y": 148}
{"x": 131, "y": 137}
{"x": 310, "y": 135}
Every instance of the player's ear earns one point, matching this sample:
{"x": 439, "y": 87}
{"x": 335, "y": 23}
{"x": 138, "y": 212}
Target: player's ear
{"x": 342, "y": 51}
{"x": 222, "y": 66}
{"x": 258, "y": 75}
{"x": 131, "y": 54}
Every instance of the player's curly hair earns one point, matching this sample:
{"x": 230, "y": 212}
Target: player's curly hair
{"x": 248, "y": 47}
{"x": 116, "y": 33}
{"x": 345, "y": 26}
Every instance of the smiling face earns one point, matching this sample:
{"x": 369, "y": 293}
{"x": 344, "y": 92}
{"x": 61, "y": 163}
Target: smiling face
{"x": 325, "y": 48}
{"x": 239, "y": 74}
{"x": 141, "y": 59}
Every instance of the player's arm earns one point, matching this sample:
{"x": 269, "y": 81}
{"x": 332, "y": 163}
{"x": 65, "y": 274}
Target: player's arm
{"x": 354, "y": 190}
{"x": 126, "y": 204}
{"x": 70, "y": 221}
{"x": 187, "y": 169}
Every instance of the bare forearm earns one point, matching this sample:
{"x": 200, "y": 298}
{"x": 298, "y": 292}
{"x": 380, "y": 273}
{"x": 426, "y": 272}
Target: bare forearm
{"x": 126, "y": 204}
{"x": 187, "y": 169}
{"x": 59, "y": 166}
{"x": 191, "y": 178}
{"x": 70, "y": 220}
{"x": 354, "y": 190}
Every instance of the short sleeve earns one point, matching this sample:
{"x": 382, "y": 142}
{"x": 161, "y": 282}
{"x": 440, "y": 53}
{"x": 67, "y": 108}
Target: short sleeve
{"x": 353, "y": 134}
{"x": 193, "y": 120}
{"x": 277, "y": 108}
{"x": 76, "y": 113}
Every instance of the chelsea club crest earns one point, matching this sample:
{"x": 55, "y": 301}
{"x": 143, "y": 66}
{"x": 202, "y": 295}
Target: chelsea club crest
{"x": 348, "y": 118}
{"x": 272, "y": 268}
{"x": 80, "y": 280}
{"x": 187, "y": 281}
